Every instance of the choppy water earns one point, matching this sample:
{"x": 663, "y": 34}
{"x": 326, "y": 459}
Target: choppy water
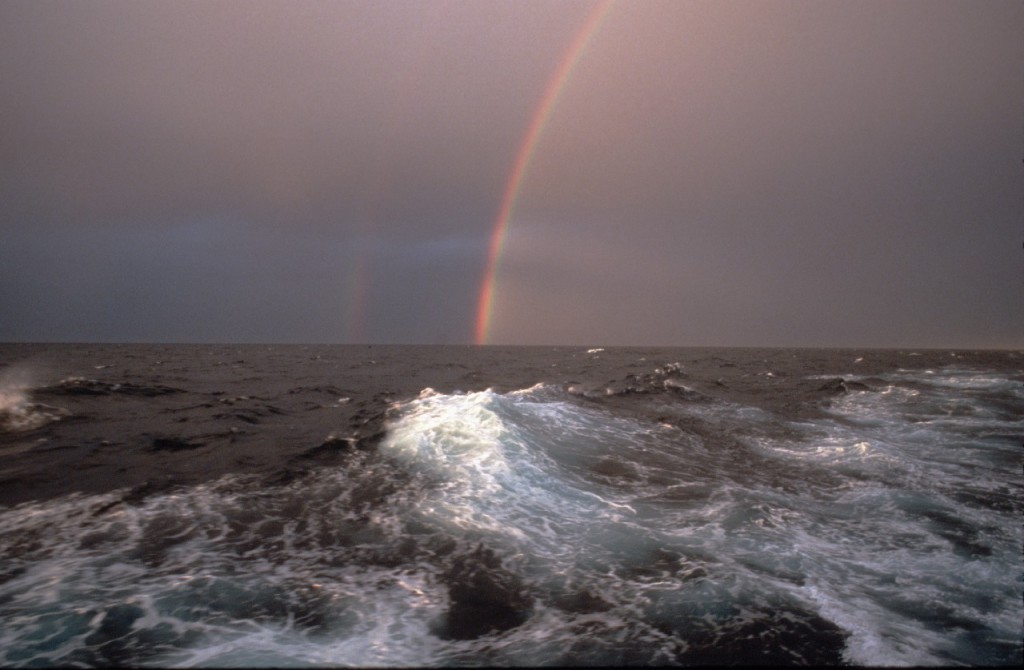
{"x": 661, "y": 516}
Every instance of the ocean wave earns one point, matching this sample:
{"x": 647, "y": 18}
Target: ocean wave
{"x": 542, "y": 526}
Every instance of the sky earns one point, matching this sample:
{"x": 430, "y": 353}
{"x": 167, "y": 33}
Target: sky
{"x": 785, "y": 174}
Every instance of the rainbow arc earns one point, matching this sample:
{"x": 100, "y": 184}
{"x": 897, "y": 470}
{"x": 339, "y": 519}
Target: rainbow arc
{"x": 524, "y": 156}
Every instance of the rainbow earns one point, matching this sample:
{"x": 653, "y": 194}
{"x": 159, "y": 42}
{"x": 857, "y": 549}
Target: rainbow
{"x": 522, "y": 163}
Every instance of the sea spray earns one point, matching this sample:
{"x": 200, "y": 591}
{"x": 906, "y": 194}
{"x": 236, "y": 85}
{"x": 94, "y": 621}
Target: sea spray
{"x": 18, "y": 413}
{"x": 870, "y": 520}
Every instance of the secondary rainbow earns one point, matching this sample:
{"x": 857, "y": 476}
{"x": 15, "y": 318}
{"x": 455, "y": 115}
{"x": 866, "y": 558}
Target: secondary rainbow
{"x": 522, "y": 163}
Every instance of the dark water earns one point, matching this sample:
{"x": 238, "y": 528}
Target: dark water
{"x": 342, "y": 505}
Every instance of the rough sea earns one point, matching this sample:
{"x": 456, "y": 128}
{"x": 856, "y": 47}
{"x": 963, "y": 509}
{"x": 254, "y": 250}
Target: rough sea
{"x": 194, "y": 505}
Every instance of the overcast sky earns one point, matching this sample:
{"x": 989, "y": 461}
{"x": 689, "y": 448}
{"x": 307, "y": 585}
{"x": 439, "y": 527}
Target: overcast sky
{"x": 712, "y": 173}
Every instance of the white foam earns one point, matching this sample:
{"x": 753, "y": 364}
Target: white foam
{"x": 491, "y": 475}
{"x": 876, "y": 638}
{"x": 667, "y": 533}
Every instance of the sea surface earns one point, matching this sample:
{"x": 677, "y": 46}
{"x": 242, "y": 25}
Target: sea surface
{"x": 216, "y": 505}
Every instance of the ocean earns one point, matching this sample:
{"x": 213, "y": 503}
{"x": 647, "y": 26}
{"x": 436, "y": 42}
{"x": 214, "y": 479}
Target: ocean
{"x": 289, "y": 505}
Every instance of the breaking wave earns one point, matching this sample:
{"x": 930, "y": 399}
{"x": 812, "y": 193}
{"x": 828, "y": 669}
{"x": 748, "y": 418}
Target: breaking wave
{"x": 538, "y": 527}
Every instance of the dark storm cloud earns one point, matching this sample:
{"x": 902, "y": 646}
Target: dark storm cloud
{"x": 712, "y": 173}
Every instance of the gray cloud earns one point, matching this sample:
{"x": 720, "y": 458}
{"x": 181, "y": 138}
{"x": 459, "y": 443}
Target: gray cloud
{"x": 799, "y": 173}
